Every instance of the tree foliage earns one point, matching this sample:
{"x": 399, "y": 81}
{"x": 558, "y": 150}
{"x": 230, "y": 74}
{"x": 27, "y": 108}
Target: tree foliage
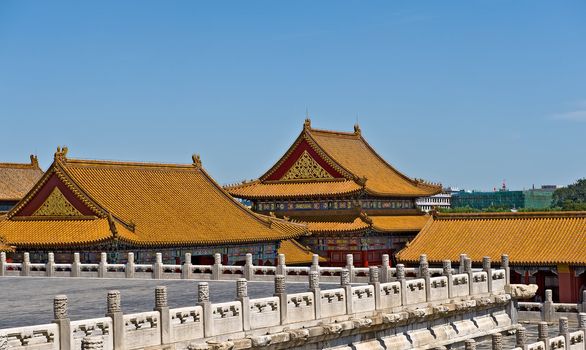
{"x": 572, "y": 197}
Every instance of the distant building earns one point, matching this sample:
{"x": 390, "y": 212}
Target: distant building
{"x": 439, "y": 201}
{"x": 531, "y": 199}
{"x": 16, "y": 179}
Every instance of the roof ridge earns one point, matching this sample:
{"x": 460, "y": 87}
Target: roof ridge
{"x": 78, "y": 161}
{"x": 507, "y": 215}
{"x": 34, "y": 164}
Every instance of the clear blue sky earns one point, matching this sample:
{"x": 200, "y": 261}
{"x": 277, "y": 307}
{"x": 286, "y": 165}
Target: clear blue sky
{"x": 465, "y": 93}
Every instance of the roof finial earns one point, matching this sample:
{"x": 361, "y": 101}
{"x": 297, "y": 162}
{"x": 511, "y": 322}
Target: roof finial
{"x": 34, "y": 161}
{"x": 61, "y": 152}
{"x": 196, "y": 160}
{"x": 307, "y": 123}
{"x": 357, "y": 126}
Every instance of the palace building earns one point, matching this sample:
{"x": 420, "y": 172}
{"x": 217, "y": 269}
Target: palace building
{"x": 91, "y": 206}
{"x": 545, "y": 248}
{"x": 16, "y": 179}
{"x": 353, "y": 201}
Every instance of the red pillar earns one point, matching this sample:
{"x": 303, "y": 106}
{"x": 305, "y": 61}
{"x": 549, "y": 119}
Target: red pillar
{"x": 566, "y": 284}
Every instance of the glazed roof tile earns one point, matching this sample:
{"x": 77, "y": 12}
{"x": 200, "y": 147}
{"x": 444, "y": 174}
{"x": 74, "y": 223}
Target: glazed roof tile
{"x": 546, "y": 238}
{"x": 399, "y": 223}
{"x": 296, "y": 253}
{"x": 259, "y": 190}
{"x": 17, "y": 179}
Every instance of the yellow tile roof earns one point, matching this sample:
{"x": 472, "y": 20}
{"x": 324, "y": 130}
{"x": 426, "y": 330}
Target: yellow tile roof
{"x": 258, "y": 190}
{"x": 399, "y": 223}
{"x": 154, "y": 204}
{"x": 546, "y": 238}
{"x": 357, "y": 224}
{"x": 351, "y": 156}
{"x": 17, "y": 179}
{"x": 296, "y": 253}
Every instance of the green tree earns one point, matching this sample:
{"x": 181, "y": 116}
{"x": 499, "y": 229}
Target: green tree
{"x": 572, "y": 197}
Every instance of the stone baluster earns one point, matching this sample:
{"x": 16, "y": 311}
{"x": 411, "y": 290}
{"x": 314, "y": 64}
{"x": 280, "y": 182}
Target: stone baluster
{"x": 103, "y": 265}
{"x": 521, "y": 338}
{"x": 203, "y": 300}
{"x": 345, "y": 283}
{"x": 468, "y": 270}
{"x": 548, "y": 308}
{"x": 162, "y": 306}
{"x": 61, "y": 318}
{"x": 582, "y": 322}
{"x": 249, "y": 267}
{"x": 314, "y": 263}
{"x": 487, "y": 268}
{"x": 92, "y": 343}
{"x": 375, "y": 282}
{"x": 584, "y": 302}
{"x": 424, "y": 273}
{"x": 129, "y": 269}
{"x": 462, "y": 267}
{"x": 2, "y": 264}
{"x": 315, "y": 289}
{"x": 25, "y": 269}
{"x": 350, "y": 266}
{"x": 385, "y": 269}
{"x": 186, "y": 268}
{"x": 114, "y": 311}
{"x": 469, "y": 344}
{"x": 505, "y": 266}
{"x": 217, "y": 267}
{"x": 565, "y": 329}
{"x": 543, "y": 333}
{"x": 403, "y": 281}
{"x": 281, "y": 265}
{"x": 242, "y": 296}
{"x": 281, "y": 292}
{"x": 447, "y": 271}
{"x": 76, "y": 266}
{"x": 497, "y": 341}
{"x": 158, "y": 266}
{"x": 50, "y": 265}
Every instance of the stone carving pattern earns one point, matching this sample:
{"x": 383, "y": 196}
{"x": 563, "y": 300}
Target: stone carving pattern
{"x": 92, "y": 343}
{"x": 227, "y": 311}
{"x": 60, "y": 307}
{"x": 203, "y": 292}
{"x": 57, "y": 205}
{"x": 279, "y": 284}
{"x": 305, "y": 300}
{"x": 139, "y": 322}
{"x": 261, "y": 307}
{"x": 313, "y": 280}
{"x": 186, "y": 316}
{"x": 388, "y": 290}
{"x": 242, "y": 288}
{"x": 161, "y": 296}
{"x": 114, "y": 301}
{"x": 306, "y": 168}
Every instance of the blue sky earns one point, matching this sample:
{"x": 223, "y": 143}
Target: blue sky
{"x": 465, "y": 93}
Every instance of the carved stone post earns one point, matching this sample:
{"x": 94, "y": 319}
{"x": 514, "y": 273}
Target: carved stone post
{"x": 385, "y": 269}
{"x": 103, "y": 265}
{"x": 521, "y": 338}
{"x": 584, "y": 302}
{"x": 203, "y": 300}
{"x": 548, "y": 309}
{"x": 25, "y": 269}
{"x": 375, "y": 282}
{"x": 462, "y": 268}
{"x": 403, "y": 282}
{"x": 447, "y": 271}
{"x": 217, "y": 267}
{"x": 61, "y": 318}
{"x": 2, "y": 263}
{"x": 281, "y": 265}
{"x": 186, "y": 268}
{"x": 76, "y": 266}
{"x": 468, "y": 270}
{"x": 582, "y": 322}
{"x": 316, "y": 290}
{"x": 497, "y": 341}
{"x": 158, "y": 267}
{"x": 129, "y": 268}
{"x": 565, "y": 329}
{"x": 486, "y": 268}
{"x": 505, "y": 266}
{"x": 92, "y": 343}
{"x": 469, "y": 344}
{"x": 543, "y": 333}
{"x": 162, "y": 307}
{"x": 249, "y": 267}
{"x": 50, "y": 265}
{"x": 424, "y": 273}
{"x": 114, "y": 311}
{"x": 242, "y": 296}
{"x": 314, "y": 263}
{"x": 350, "y": 266}
{"x": 281, "y": 292}
{"x": 345, "y": 283}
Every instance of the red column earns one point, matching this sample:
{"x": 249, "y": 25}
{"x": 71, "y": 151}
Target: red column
{"x": 566, "y": 284}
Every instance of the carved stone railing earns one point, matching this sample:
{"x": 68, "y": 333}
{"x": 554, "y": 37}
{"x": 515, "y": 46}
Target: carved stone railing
{"x": 252, "y": 272}
{"x": 281, "y": 317}
{"x": 550, "y": 311}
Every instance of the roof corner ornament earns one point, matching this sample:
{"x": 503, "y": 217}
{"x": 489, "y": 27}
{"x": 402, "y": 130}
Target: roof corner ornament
{"x": 361, "y": 181}
{"x": 34, "y": 161}
{"x": 307, "y": 123}
{"x": 61, "y": 153}
{"x": 364, "y": 217}
{"x": 357, "y": 129}
{"x": 112, "y": 225}
{"x": 196, "y": 160}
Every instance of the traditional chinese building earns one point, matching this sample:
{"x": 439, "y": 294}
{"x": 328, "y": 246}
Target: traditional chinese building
{"x": 546, "y": 248}
{"x": 90, "y": 206}
{"x": 353, "y": 201}
{"x": 16, "y": 179}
